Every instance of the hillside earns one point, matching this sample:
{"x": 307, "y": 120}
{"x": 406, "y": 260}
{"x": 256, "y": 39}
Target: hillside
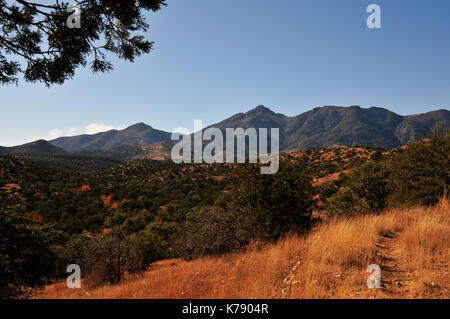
{"x": 139, "y": 134}
{"x": 39, "y": 146}
{"x": 51, "y": 184}
{"x": 345, "y": 126}
{"x": 411, "y": 246}
{"x": 75, "y": 199}
{"x": 131, "y": 152}
{"x": 72, "y": 162}
{"x": 415, "y": 127}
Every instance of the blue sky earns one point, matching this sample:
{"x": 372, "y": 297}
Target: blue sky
{"x": 214, "y": 58}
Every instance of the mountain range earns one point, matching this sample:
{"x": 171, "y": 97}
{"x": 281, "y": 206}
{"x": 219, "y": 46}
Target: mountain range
{"x": 321, "y": 127}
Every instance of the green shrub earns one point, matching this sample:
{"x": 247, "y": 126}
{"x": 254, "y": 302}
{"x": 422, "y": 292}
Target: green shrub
{"x": 365, "y": 190}
{"x": 421, "y": 174}
{"x": 26, "y": 257}
{"x": 276, "y": 204}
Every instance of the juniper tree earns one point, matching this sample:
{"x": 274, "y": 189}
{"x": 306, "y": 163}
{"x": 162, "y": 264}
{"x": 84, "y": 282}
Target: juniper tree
{"x": 37, "y": 41}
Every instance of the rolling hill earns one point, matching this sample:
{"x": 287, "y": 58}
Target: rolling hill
{"x": 130, "y": 152}
{"x": 139, "y": 134}
{"x": 40, "y": 146}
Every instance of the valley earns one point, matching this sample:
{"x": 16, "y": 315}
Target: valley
{"x": 135, "y": 202}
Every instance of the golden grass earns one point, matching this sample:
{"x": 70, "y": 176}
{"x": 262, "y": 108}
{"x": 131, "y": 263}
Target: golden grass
{"x": 425, "y": 245}
{"x": 330, "y": 262}
{"x": 337, "y": 254}
{"x": 253, "y": 274}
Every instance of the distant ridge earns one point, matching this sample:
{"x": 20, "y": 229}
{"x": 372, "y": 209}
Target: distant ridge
{"x": 328, "y": 126}
{"x": 139, "y": 134}
{"x": 40, "y": 146}
{"x": 321, "y": 127}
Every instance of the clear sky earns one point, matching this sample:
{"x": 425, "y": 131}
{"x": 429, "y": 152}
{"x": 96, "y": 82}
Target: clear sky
{"x": 215, "y": 58}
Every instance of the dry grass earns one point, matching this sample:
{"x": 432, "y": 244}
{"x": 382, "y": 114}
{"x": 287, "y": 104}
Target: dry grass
{"x": 425, "y": 244}
{"x": 253, "y": 274}
{"x": 337, "y": 254}
{"x": 330, "y": 262}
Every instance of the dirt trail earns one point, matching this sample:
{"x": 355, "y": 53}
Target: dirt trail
{"x": 395, "y": 279}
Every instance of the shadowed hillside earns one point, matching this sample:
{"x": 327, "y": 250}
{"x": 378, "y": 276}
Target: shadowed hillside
{"x": 39, "y": 146}
{"x": 346, "y": 126}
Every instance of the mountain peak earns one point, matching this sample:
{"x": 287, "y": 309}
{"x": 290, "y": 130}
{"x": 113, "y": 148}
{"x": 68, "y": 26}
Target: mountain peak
{"x": 260, "y": 108}
{"x": 139, "y": 126}
{"x": 41, "y": 141}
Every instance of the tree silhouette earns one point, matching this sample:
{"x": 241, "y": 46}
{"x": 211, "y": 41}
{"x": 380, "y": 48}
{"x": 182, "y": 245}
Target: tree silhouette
{"x": 36, "y": 40}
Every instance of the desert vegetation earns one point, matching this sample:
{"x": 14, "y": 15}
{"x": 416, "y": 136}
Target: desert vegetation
{"x": 118, "y": 222}
{"x": 330, "y": 262}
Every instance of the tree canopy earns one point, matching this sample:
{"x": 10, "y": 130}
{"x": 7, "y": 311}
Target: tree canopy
{"x": 36, "y": 40}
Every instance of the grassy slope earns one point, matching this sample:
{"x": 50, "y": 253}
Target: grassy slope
{"x": 412, "y": 246}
